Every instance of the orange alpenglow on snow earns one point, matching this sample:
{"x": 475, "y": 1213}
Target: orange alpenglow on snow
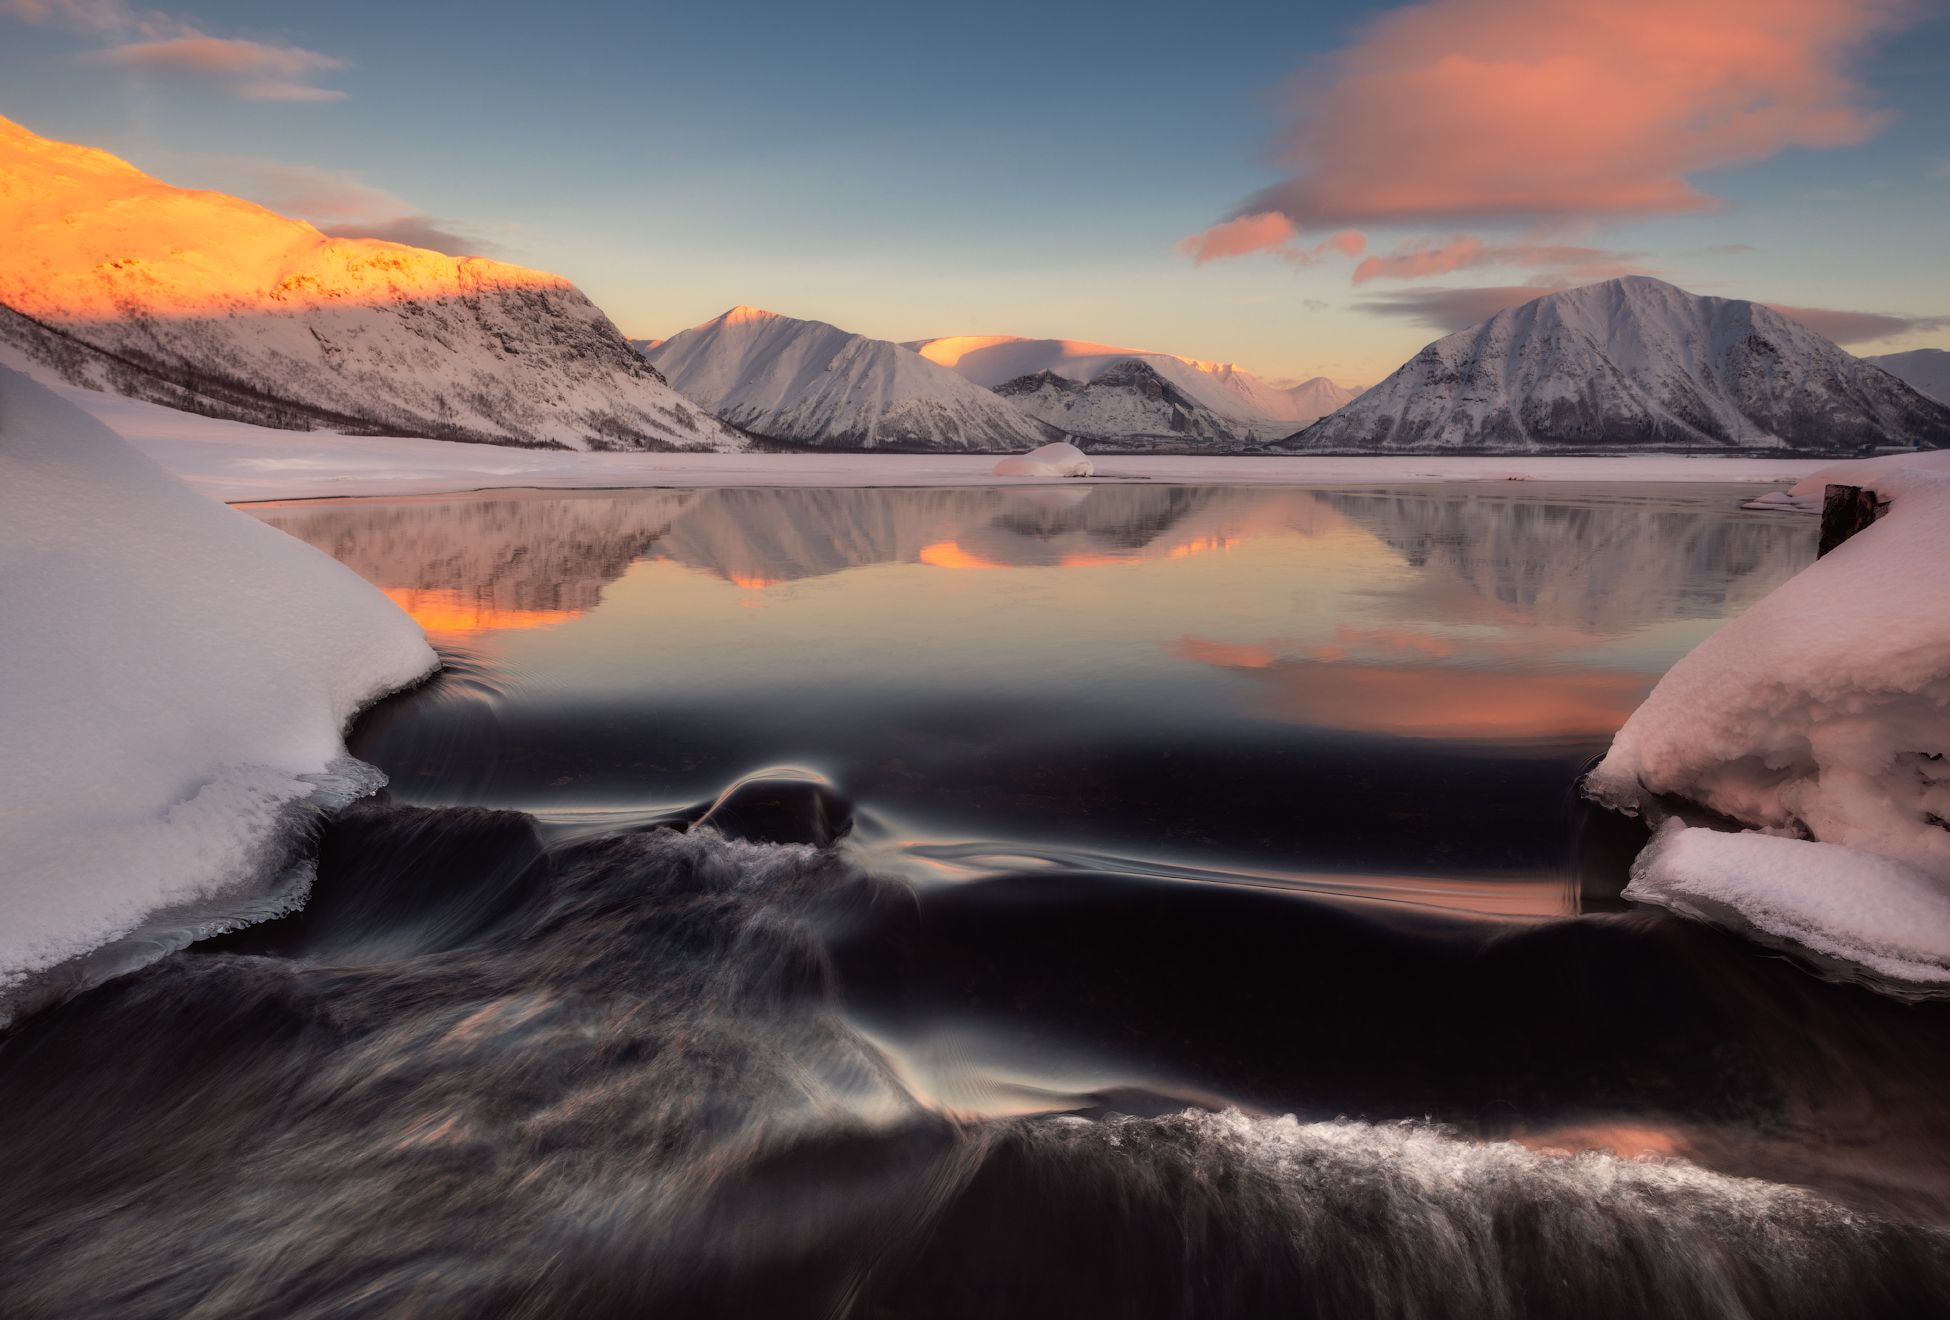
{"x": 117, "y": 281}
{"x": 91, "y": 236}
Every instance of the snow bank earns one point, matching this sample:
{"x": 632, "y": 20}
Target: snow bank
{"x": 1061, "y": 459}
{"x": 1820, "y": 721}
{"x": 177, "y": 679}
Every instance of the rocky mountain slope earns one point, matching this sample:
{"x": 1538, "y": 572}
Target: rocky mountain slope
{"x": 1632, "y": 363}
{"x": 118, "y": 281}
{"x": 810, "y": 383}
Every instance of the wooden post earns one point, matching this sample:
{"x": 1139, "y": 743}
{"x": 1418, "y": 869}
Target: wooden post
{"x": 1845, "y": 510}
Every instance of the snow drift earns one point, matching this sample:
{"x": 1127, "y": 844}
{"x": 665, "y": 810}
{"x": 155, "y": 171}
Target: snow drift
{"x": 1061, "y": 459}
{"x": 1819, "y": 723}
{"x": 178, "y": 677}
{"x": 120, "y": 282}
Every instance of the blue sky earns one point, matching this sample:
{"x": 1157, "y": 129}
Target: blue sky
{"x": 908, "y": 171}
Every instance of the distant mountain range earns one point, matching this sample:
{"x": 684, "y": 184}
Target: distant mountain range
{"x": 114, "y": 280}
{"x": 1925, "y": 370}
{"x": 1632, "y": 364}
{"x": 1121, "y": 394}
{"x": 810, "y": 383}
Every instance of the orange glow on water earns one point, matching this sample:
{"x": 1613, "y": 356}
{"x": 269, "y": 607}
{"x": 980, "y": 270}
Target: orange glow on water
{"x": 448, "y": 613}
{"x": 753, "y": 582}
{"x": 1435, "y": 701}
{"x": 1227, "y": 655}
{"x": 949, "y": 554}
{"x": 1202, "y": 545}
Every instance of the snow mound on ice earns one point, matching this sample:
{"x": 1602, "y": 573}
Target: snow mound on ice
{"x": 177, "y": 679}
{"x": 1820, "y": 719}
{"x": 1845, "y": 904}
{"x": 1061, "y": 459}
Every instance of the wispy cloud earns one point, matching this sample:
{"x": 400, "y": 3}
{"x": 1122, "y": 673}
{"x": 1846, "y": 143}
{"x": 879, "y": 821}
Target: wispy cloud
{"x": 1845, "y": 327}
{"x": 153, "y": 43}
{"x": 248, "y": 69}
{"x": 1424, "y": 258}
{"x": 1452, "y": 309}
{"x": 1449, "y": 310}
{"x": 341, "y": 204}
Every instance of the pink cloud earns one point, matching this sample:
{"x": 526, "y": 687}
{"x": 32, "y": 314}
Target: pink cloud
{"x": 1267, "y": 232}
{"x": 1348, "y": 242}
{"x": 1239, "y": 236}
{"x": 1550, "y": 108}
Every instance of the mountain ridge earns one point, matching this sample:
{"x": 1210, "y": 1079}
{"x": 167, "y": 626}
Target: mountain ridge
{"x": 1253, "y": 409}
{"x": 116, "y": 280}
{"x": 1632, "y": 363}
{"x": 811, "y": 383}
{"x": 1925, "y": 370}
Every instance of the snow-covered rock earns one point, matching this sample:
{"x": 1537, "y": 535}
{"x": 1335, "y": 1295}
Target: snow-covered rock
{"x": 1925, "y": 370}
{"x": 119, "y": 282}
{"x": 1819, "y": 721}
{"x": 1061, "y": 459}
{"x": 1633, "y": 363}
{"x": 178, "y": 677}
{"x": 810, "y": 383}
{"x": 1128, "y": 393}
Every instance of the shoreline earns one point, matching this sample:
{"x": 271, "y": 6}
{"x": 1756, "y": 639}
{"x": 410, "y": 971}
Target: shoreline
{"x": 242, "y": 464}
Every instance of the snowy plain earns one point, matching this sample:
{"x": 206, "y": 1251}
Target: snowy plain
{"x": 239, "y": 463}
{"x": 178, "y": 680}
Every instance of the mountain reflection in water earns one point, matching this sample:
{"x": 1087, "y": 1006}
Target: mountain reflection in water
{"x": 1250, "y": 680}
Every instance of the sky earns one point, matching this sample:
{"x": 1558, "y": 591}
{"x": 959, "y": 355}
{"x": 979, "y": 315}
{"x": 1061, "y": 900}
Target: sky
{"x": 1303, "y": 189}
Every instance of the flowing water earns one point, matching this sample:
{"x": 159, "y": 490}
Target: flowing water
{"x": 1121, "y": 900}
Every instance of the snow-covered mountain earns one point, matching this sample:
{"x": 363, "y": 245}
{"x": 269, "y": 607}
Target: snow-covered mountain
{"x": 115, "y": 280}
{"x": 1633, "y": 363}
{"x": 806, "y": 382}
{"x": 1925, "y": 370}
{"x": 1131, "y": 402}
{"x": 1214, "y": 402}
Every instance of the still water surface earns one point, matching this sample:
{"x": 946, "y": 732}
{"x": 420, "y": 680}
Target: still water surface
{"x": 1402, "y": 683}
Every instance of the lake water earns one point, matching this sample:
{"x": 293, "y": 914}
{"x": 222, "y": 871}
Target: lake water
{"x": 1125, "y": 899}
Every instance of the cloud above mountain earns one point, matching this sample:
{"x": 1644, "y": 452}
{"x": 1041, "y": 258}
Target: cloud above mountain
{"x": 251, "y": 70}
{"x": 155, "y": 44}
{"x": 1502, "y": 109}
{"x": 342, "y": 205}
{"x": 1538, "y": 114}
{"x": 1453, "y": 309}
